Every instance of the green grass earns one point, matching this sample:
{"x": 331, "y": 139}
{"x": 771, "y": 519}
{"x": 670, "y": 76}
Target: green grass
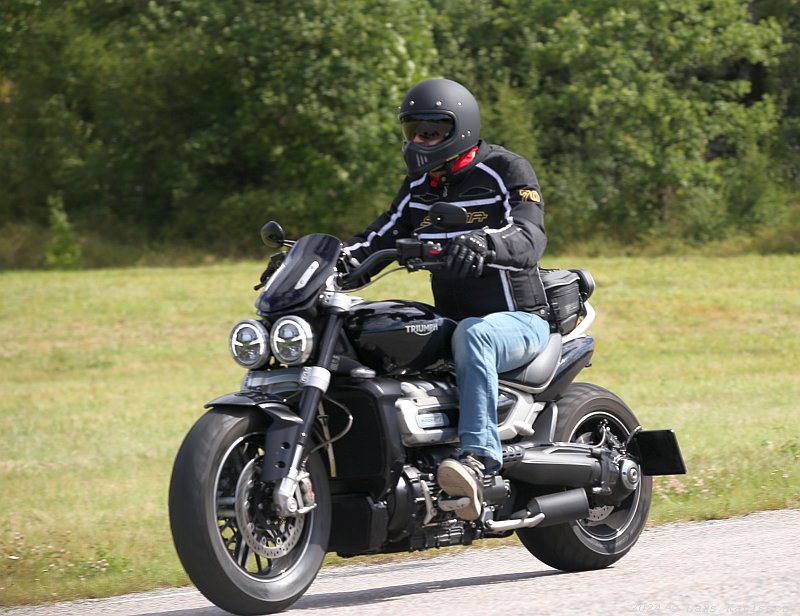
{"x": 103, "y": 372}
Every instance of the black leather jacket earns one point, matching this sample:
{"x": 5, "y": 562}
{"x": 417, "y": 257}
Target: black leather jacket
{"x": 501, "y": 194}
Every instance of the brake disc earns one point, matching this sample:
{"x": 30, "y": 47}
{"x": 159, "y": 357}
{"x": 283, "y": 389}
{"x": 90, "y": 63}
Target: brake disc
{"x": 265, "y": 532}
{"x": 597, "y": 514}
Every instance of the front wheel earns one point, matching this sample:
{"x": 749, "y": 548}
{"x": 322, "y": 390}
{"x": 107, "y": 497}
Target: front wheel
{"x": 584, "y": 412}
{"x": 240, "y": 554}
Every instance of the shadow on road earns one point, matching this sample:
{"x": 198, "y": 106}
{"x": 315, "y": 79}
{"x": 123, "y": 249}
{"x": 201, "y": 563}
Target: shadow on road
{"x": 374, "y": 595}
{"x": 387, "y": 593}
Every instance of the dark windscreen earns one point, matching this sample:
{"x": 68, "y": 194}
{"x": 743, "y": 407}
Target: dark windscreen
{"x": 304, "y": 271}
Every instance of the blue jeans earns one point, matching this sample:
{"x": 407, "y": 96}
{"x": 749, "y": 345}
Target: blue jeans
{"x": 483, "y": 347}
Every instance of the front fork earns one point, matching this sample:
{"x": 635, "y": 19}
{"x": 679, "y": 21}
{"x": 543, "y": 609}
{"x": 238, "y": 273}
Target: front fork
{"x": 285, "y": 446}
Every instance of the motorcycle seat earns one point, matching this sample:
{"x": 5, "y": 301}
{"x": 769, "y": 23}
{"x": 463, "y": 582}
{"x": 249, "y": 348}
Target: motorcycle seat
{"x": 536, "y": 376}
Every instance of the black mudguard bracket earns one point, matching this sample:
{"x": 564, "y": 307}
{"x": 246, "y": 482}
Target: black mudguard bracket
{"x": 282, "y": 434}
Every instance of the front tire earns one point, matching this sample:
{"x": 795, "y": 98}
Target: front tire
{"x": 240, "y": 554}
{"x": 610, "y": 531}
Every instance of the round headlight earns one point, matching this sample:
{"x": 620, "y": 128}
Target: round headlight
{"x": 291, "y": 340}
{"x": 249, "y": 345}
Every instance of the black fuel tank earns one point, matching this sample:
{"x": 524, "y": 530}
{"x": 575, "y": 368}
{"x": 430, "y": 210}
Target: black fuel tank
{"x": 393, "y": 336}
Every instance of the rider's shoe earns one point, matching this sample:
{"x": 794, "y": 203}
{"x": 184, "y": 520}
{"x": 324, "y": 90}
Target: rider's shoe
{"x": 463, "y": 477}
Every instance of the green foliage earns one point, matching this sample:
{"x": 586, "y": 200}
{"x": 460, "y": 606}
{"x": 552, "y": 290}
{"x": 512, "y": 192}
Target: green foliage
{"x": 193, "y": 121}
{"x": 63, "y": 251}
{"x": 784, "y": 82}
{"x": 159, "y": 114}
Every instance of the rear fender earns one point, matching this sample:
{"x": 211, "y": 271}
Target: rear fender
{"x": 575, "y": 356}
{"x": 282, "y": 433}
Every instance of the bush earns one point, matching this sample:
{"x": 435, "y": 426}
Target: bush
{"x": 63, "y": 251}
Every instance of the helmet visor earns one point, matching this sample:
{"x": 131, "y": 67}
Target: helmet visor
{"x": 429, "y": 126}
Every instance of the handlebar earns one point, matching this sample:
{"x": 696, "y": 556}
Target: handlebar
{"x": 412, "y": 254}
{"x": 417, "y": 255}
{"x": 377, "y": 259}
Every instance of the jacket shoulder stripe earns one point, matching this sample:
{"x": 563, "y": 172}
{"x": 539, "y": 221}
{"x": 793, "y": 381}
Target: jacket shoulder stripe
{"x": 506, "y": 204}
{"x": 477, "y": 202}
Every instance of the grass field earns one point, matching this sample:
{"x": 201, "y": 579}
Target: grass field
{"x": 103, "y": 372}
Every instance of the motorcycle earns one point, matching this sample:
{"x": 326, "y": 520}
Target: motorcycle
{"x": 346, "y": 410}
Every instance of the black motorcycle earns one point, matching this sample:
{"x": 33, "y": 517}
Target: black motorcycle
{"x": 349, "y": 406}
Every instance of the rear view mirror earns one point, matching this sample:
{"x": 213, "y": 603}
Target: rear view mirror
{"x": 444, "y": 215}
{"x": 272, "y": 235}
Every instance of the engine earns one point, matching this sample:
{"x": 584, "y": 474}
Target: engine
{"x": 427, "y": 413}
{"x": 419, "y": 517}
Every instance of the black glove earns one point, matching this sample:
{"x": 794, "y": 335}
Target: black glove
{"x": 275, "y": 262}
{"x": 467, "y": 254}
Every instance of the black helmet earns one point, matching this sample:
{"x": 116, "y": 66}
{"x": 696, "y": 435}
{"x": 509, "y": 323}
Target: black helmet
{"x": 438, "y": 106}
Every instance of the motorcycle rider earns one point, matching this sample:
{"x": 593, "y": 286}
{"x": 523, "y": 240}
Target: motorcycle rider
{"x": 491, "y": 284}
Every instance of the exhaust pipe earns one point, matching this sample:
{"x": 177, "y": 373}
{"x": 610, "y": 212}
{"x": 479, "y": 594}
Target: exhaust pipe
{"x": 546, "y": 510}
{"x": 560, "y": 507}
{"x": 553, "y": 465}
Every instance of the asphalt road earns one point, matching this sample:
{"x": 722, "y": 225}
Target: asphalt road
{"x": 748, "y": 565}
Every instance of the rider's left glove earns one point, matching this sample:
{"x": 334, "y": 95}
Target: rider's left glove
{"x": 344, "y": 266}
{"x": 468, "y": 253}
{"x": 275, "y": 262}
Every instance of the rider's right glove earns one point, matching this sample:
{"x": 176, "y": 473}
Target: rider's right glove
{"x": 468, "y": 253}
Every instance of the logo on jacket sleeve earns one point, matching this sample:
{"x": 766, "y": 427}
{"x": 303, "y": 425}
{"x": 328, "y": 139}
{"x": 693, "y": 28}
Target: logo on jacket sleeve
{"x": 530, "y": 195}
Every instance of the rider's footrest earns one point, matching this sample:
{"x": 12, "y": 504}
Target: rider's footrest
{"x": 658, "y": 452}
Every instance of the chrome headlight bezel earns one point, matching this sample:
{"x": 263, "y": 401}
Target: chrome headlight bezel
{"x": 302, "y": 341}
{"x": 249, "y": 344}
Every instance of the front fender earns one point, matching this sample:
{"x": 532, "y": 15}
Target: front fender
{"x": 272, "y": 405}
{"x": 282, "y": 433}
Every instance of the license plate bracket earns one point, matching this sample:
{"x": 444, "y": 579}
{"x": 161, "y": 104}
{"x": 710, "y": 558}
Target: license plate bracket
{"x": 657, "y": 452}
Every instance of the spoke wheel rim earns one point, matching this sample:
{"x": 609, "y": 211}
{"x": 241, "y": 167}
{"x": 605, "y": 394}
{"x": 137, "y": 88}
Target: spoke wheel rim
{"x": 235, "y": 496}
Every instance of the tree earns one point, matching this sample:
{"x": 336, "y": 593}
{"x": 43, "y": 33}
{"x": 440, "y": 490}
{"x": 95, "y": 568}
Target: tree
{"x": 638, "y": 107}
{"x": 199, "y": 119}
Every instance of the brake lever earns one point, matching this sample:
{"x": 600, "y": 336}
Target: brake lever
{"x": 415, "y": 265}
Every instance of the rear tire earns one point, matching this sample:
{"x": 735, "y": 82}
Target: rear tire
{"x": 609, "y": 532}
{"x": 209, "y": 493}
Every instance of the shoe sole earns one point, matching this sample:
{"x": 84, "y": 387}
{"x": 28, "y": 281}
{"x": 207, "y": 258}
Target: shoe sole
{"x": 456, "y": 480}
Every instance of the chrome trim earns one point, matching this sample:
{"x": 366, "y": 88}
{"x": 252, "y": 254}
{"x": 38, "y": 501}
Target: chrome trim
{"x": 412, "y": 434}
{"x": 274, "y": 381}
{"x": 305, "y": 335}
{"x": 519, "y": 421}
{"x": 261, "y": 340}
{"x": 421, "y": 418}
{"x": 340, "y": 301}
{"x": 506, "y": 525}
{"x": 314, "y": 376}
{"x": 583, "y": 326}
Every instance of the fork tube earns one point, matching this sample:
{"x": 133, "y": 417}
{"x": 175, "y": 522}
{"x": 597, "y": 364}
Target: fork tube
{"x": 315, "y": 383}
{"x": 312, "y": 392}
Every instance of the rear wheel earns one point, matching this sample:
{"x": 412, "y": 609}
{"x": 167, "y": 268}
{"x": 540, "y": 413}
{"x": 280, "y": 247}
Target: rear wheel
{"x": 584, "y": 412}
{"x": 241, "y": 554}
